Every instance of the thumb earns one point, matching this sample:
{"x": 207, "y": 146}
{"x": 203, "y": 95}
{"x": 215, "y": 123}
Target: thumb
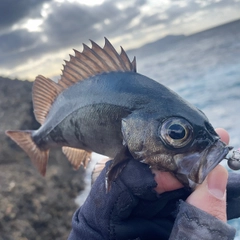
{"x": 210, "y": 196}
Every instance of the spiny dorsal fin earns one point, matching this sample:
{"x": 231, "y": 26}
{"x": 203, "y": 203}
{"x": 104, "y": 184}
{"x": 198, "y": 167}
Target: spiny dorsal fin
{"x": 93, "y": 61}
{"x": 98, "y": 168}
{"x": 132, "y": 65}
{"x": 76, "y": 156}
{"x": 43, "y": 94}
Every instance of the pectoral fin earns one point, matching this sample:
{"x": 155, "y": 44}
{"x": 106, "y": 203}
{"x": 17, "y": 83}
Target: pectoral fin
{"x": 119, "y": 162}
{"x": 76, "y": 156}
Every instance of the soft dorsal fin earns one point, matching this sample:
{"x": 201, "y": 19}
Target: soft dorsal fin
{"x": 43, "y": 94}
{"x": 93, "y": 61}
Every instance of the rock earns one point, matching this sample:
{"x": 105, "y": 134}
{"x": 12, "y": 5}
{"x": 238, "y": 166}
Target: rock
{"x": 32, "y": 207}
{"x": 16, "y": 112}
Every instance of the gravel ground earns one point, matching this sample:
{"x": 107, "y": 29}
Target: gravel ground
{"x": 32, "y": 207}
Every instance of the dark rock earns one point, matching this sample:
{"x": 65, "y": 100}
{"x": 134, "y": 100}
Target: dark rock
{"x": 31, "y": 206}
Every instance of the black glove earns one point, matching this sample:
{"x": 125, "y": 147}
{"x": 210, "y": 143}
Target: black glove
{"x": 233, "y": 196}
{"x": 132, "y": 209}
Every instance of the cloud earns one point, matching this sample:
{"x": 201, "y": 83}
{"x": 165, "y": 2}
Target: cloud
{"x": 68, "y": 24}
{"x": 16, "y": 47}
{"x": 12, "y": 11}
{"x": 88, "y": 22}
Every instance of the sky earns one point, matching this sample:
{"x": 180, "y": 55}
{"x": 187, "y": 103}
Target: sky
{"x": 37, "y": 35}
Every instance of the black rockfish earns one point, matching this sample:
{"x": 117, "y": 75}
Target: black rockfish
{"x": 102, "y": 105}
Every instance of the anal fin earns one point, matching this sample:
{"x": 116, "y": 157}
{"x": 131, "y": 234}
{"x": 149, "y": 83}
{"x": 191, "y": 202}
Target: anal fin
{"x": 76, "y": 156}
{"x": 98, "y": 168}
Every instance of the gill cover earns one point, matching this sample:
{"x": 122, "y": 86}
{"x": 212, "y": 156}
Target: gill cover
{"x": 137, "y": 131}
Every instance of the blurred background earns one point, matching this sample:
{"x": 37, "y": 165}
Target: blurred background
{"x": 191, "y": 46}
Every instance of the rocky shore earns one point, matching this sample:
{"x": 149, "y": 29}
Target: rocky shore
{"x": 32, "y": 207}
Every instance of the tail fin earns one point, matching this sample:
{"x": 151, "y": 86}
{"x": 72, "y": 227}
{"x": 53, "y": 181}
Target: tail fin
{"x": 38, "y": 157}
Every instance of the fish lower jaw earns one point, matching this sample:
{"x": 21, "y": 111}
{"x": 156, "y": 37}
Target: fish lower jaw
{"x": 160, "y": 162}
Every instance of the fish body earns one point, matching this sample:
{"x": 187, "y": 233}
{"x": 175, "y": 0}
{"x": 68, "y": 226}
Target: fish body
{"x": 89, "y": 117}
{"x": 117, "y": 112}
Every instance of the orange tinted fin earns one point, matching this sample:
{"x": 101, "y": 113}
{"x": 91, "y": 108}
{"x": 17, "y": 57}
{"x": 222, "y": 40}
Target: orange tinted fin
{"x": 43, "y": 94}
{"x": 98, "y": 168}
{"x": 76, "y": 156}
{"x": 130, "y": 65}
{"x": 38, "y": 157}
{"x": 93, "y": 61}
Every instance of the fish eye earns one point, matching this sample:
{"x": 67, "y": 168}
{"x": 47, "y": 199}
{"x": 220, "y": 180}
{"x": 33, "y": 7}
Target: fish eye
{"x": 176, "y": 132}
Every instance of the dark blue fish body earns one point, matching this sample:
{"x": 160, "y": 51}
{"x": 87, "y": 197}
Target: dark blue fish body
{"x": 121, "y": 114}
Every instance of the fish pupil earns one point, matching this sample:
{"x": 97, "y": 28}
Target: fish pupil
{"x": 176, "y": 131}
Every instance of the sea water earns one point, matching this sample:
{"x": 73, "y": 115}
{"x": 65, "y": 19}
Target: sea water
{"x": 205, "y": 70}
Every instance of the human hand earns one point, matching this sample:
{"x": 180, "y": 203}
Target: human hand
{"x": 131, "y": 209}
{"x": 210, "y": 196}
{"x": 204, "y": 214}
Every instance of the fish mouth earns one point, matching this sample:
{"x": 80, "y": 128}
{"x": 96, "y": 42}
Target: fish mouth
{"x": 193, "y": 168}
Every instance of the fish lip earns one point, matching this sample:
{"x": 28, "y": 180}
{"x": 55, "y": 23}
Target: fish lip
{"x": 193, "y": 168}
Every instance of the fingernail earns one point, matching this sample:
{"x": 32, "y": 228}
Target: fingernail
{"x": 216, "y": 183}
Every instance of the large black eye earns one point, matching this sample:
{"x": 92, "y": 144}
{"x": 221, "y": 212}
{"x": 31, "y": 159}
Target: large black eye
{"x": 176, "y": 132}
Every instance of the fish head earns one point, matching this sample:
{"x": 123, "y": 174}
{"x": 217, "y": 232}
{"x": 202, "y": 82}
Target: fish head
{"x": 188, "y": 147}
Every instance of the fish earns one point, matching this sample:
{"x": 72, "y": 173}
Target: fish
{"x": 102, "y": 104}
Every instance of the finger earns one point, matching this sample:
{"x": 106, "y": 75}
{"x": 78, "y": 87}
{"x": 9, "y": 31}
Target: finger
{"x": 165, "y": 182}
{"x": 223, "y": 134}
{"x": 210, "y": 196}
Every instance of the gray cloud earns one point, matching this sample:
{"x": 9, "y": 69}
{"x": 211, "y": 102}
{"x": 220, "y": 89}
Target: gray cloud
{"x": 70, "y": 24}
{"x": 17, "y": 47}
{"x": 17, "y": 41}
{"x": 67, "y": 25}
{"x": 11, "y": 11}
{"x": 176, "y": 11}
